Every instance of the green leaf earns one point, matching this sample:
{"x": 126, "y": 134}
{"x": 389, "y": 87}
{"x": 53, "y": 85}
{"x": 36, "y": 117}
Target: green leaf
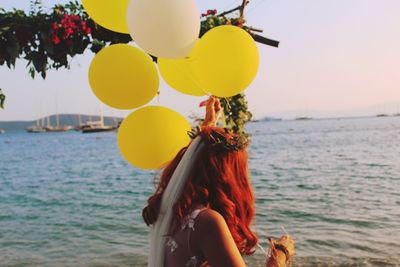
{"x": 2, "y": 99}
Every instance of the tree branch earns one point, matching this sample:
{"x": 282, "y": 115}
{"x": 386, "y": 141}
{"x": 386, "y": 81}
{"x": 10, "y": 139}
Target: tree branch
{"x": 244, "y": 3}
{"x": 231, "y": 11}
{"x": 266, "y": 41}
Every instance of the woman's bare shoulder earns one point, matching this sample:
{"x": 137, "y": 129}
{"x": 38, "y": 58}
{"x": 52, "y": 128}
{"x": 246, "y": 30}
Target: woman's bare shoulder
{"x": 210, "y": 226}
{"x": 214, "y": 240}
{"x": 209, "y": 220}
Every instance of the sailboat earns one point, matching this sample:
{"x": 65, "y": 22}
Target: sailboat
{"x": 97, "y": 126}
{"x": 38, "y": 128}
{"x": 56, "y": 128}
{"x": 80, "y": 125}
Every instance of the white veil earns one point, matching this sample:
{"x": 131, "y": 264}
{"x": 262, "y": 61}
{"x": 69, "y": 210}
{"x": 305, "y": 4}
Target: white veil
{"x": 171, "y": 194}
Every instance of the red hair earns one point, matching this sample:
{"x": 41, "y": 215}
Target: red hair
{"x": 219, "y": 179}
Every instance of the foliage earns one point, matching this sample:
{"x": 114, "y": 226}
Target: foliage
{"x": 49, "y": 41}
{"x": 213, "y": 20}
{"x": 236, "y": 113}
{"x": 2, "y": 99}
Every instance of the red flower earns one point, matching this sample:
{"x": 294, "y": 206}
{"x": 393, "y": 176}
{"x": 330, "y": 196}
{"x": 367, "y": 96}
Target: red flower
{"x": 75, "y": 17}
{"x": 55, "y": 39}
{"x": 54, "y": 26}
{"x": 64, "y": 19}
{"x": 88, "y": 30}
{"x": 209, "y": 13}
{"x": 68, "y": 21}
{"x": 72, "y": 25}
{"x": 68, "y": 32}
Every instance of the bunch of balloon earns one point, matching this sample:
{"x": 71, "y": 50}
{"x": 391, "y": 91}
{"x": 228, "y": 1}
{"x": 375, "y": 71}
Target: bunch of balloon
{"x": 222, "y": 63}
{"x": 125, "y": 77}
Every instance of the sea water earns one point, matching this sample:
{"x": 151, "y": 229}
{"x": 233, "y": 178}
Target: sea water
{"x": 69, "y": 199}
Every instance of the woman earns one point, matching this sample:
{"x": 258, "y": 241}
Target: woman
{"x": 203, "y": 207}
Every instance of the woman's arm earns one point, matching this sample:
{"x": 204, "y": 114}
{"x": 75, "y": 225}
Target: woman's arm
{"x": 213, "y": 111}
{"x": 213, "y": 239}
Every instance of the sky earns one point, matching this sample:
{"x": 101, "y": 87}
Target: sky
{"x": 335, "y": 56}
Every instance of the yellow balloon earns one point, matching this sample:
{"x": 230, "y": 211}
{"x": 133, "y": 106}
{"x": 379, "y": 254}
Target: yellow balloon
{"x": 110, "y": 14}
{"x": 176, "y": 72}
{"x": 225, "y": 61}
{"x": 150, "y": 137}
{"x": 123, "y": 77}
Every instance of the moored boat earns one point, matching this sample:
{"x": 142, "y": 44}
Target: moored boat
{"x": 57, "y": 129}
{"x": 303, "y": 118}
{"x": 96, "y": 128}
{"x": 382, "y": 115}
{"x": 36, "y": 129}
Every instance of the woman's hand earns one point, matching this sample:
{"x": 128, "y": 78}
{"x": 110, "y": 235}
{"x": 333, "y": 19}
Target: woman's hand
{"x": 278, "y": 257}
{"x": 213, "y": 111}
{"x": 287, "y": 242}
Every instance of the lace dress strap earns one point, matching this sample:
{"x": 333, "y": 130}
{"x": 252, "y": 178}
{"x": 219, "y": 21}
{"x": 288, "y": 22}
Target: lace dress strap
{"x": 187, "y": 227}
{"x": 190, "y": 222}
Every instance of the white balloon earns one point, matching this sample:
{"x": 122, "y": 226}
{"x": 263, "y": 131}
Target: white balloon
{"x": 164, "y": 28}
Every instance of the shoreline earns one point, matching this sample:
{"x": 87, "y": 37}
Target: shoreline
{"x": 119, "y": 260}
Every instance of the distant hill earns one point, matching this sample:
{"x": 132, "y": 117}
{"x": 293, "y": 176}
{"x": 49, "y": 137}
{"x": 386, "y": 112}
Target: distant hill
{"x": 368, "y": 111}
{"x": 65, "y": 119}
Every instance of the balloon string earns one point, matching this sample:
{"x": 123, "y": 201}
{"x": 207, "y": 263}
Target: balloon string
{"x": 193, "y": 78}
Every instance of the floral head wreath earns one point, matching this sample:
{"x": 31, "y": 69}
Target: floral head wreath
{"x": 219, "y": 141}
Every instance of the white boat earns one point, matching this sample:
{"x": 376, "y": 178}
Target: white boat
{"x": 2, "y": 131}
{"x": 38, "y": 128}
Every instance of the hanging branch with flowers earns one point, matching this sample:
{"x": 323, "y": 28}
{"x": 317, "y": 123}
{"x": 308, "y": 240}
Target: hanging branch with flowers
{"x": 51, "y": 40}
